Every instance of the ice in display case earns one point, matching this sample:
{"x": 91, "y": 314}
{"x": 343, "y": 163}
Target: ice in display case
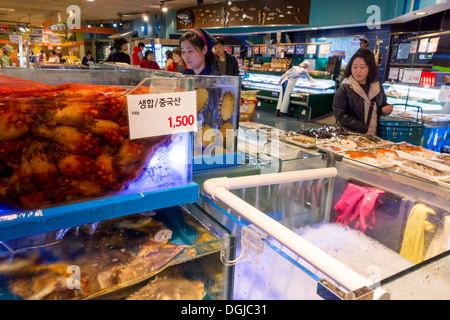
{"x": 166, "y": 254}
{"x": 308, "y": 100}
{"x": 71, "y": 162}
{"x": 374, "y": 249}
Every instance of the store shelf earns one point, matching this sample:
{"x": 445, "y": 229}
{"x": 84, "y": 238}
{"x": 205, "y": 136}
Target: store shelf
{"x": 16, "y": 224}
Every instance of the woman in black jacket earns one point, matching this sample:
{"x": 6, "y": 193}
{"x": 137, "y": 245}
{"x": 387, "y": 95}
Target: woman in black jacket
{"x": 360, "y": 100}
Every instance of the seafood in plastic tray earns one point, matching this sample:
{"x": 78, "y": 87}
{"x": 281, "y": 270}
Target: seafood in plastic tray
{"x": 412, "y": 149}
{"x": 421, "y": 170}
{"x": 64, "y": 143}
{"x": 384, "y": 153}
{"x": 112, "y": 257}
{"x": 369, "y": 158}
{"x": 302, "y": 141}
{"x": 332, "y": 147}
{"x": 443, "y": 166}
{"x": 443, "y": 181}
{"x": 323, "y": 133}
{"x": 365, "y": 141}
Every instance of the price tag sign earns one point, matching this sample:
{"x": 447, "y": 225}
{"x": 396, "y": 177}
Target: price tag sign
{"x": 160, "y": 114}
{"x": 412, "y": 76}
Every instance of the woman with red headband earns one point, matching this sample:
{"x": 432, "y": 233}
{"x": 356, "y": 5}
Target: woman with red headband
{"x": 196, "y": 49}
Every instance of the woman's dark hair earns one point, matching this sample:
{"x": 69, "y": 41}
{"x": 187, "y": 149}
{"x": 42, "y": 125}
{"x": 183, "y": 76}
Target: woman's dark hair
{"x": 42, "y": 51}
{"x": 89, "y": 52}
{"x": 220, "y": 41}
{"x": 147, "y": 53}
{"x": 118, "y": 43}
{"x": 176, "y": 51}
{"x": 369, "y": 59}
{"x": 198, "y": 42}
{"x": 169, "y": 54}
{"x": 141, "y": 44}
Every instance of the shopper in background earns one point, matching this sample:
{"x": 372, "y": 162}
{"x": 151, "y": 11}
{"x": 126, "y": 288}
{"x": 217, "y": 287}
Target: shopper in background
{"x": 169, "y": 58}
{"x": 41, "y": 57}
{"x": 87, "y": 59}
{"x": 4, "y": 59}
{"x": 225, "y": 63}
{"x": 360, "y": 100}
{"x": 137, "y": 55}
{"x": 196, "y": 49}
{"x": 364, "y": 42}
{"x": 178, "y": 64}
{"x": 148, "y": 61}
{"x": 288, "y": 81}
{"x": 120, "y": 55}
{"x": 53, "y": 57}
{"x": 59, "y": 54}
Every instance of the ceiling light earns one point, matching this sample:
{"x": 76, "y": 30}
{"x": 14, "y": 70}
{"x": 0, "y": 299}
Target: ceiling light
{"x": 114, "y": 24}
{"x": 89, "y": 25}
{"x": 163, "y": 7}
{"x": 101, "y": 24}
{"x": 229, "y": 2}
{"x": 145, "y": 18}
{"x": 420, "y": 13}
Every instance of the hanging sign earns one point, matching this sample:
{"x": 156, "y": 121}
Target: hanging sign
{"x": 311, "y": 49}
{"x": 300, "y": 49}
{"x": 3, "y": 28}
{"x": 160, "y": 114}
{"x": 413, "y": 47}
{"x": 290, "y": 50}
{"x": 412, "y": 76}
{"x": 325, "y": 48}
{"x": 13, "y": 38}
{"x": 423, "y": 45}
{"x": 432, "y": 47}
{"x": 263, "y": 50}
{"x": 393, "y": 73}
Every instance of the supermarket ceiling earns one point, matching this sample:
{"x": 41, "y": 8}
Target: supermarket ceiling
{"x": 35, "y": 12}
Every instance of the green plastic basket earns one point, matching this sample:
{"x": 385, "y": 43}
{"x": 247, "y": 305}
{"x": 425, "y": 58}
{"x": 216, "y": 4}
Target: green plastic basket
{"x": 400, "y": 130}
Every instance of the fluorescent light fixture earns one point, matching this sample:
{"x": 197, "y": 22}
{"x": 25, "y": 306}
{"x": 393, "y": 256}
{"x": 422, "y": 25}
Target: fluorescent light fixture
{"x": 420, "y": 13}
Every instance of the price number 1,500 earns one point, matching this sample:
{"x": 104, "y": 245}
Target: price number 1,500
{"x": 181, "y": 121}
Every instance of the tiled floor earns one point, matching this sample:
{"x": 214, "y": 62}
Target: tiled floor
{"x": 291, "y": 123}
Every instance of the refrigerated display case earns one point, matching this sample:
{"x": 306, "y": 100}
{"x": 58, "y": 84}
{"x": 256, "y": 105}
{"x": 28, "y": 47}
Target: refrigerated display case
{"x": 421, "y": 104}
{"x": 308, "y": 100}
{"x": 166, "y": 254}
{"x": 304, "y": 235}
{"x": 84, "y": 166}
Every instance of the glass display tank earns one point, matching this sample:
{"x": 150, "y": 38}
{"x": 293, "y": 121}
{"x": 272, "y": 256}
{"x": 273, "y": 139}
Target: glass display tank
{"x": 362, "y": 233}
{"x": 218, "y": 102}
{"x": 166, "y": 254}
{"x": 308, "y": 100}
{"x": 67, "y": 155}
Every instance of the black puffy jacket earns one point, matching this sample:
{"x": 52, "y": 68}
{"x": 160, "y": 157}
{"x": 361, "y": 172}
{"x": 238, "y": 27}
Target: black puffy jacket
{"x": 348, "y": 108}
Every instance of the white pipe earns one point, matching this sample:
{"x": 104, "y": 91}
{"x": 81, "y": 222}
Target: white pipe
{"x": 266, "y": 179}
{"x": 217, "y": 188}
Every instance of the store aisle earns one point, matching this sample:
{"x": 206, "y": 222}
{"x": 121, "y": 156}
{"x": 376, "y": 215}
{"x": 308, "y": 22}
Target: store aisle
{"x": 291, "y": 123}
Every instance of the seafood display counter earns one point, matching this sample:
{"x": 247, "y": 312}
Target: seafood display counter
{"x": 362, "y": 232}
{"x": 166, "y": 254}
{"x": 67, "y": 158}
{"x": 89, "y": 213}
{"x": 308, "y": 100}
{"x": 424, "y": 105}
